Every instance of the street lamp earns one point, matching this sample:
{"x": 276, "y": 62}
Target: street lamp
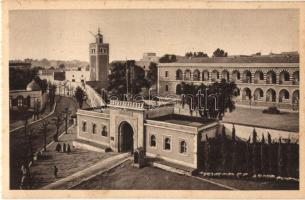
{"x": 66, "y": 112}
{"x": 44, "y": 127}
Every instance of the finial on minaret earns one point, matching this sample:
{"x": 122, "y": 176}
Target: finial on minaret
{"x": 99, "y": 31}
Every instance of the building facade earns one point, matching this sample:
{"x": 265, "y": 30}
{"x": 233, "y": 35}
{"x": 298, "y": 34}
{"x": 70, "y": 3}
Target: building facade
{"x": 125, "y": 126}
{"x": 99, "y": 60}
{"x": 78, "y": 76}
{"x": 259, "y": 84}
{"x": 26, "y": 99}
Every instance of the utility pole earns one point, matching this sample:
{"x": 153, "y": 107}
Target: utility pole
{"x": 44, "y": 127}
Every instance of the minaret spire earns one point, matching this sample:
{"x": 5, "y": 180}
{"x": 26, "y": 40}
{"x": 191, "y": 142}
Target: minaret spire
{"x": 99, "y": 30}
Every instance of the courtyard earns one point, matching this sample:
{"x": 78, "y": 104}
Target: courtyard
{"x": 255, "y": 117}
{"x": 127, "y": 177}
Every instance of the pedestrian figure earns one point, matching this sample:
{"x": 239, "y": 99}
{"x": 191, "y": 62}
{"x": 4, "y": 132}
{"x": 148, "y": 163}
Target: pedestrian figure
{"x": 55, "y": 171}
{"x": 58, "y": 147}
{"x": 24, "y": 172}
{"x": 68, "y": 149}
{"x": 64, "y": 148}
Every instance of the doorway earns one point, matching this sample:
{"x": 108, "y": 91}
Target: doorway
{"x": 125, "y": 137}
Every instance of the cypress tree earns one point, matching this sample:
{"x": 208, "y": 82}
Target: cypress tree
{"x": 207, "y": 154}
{"x": 233, "y": 150}
{"x": 262, "y": 154}
{"x": 289, "y": 159}
{"x": 270, "y": 157}
{"x": 254, "y": 152}
{"x": 223, "y": 148}
{"x": 279, "y": 158}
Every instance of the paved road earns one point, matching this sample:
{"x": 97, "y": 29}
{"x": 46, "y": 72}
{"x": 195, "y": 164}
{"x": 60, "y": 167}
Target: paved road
{"x": 19, "y": 143}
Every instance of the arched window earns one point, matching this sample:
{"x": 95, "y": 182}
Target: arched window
{"x": 153, "y": 142}
{"x": 247, "y": 77}
{"x": 196, "y": 75}
{"x": 84, "y": 127}
{"x": 225, "y": 75}
{"x": 215, "y": 75}
{"x": 167, "y": 143}
{"x": 205, "y": 75}
{"x": 19, "y": 101}
{"x": 271, "y": 77}
{"x": 179, "y": 75}
{"x": 187, "y": 75}
{"x": 284, "y": 76}
{"x": 104, "y": 131}
{"x": 235, "y": 75}
{"x": 93, "y": 128}
{"x": 183, "y": 147}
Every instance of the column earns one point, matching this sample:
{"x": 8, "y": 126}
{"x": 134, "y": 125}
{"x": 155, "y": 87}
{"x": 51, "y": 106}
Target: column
{"x": 277, "y": 77}
{"x": 252, "y": 76}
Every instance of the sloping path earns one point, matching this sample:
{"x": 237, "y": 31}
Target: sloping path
{"x": 88, "y": 173}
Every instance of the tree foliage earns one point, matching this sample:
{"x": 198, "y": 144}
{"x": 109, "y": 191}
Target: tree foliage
{"x": 62, "y": 66}
{"x": 152, "y": 74}
{"x": 20, "y": 78}
{"x": 126, "y": 76}
{"x": 79, "y": 95}
{"x": 168, "y": 58}
{"x": 52, "y": 92}
{"x": 215, "y": 99}
{"x": 198, "y": 54}
{"x": 220, "y": 53}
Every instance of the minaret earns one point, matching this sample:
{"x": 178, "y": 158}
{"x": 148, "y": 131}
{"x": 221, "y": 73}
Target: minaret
{"x": 99, "y": 59}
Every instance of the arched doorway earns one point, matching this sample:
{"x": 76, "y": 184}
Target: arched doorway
{"x": 246, "y": 94}
{"x": 125, "y": 137}
{"x": 271, "y": 95}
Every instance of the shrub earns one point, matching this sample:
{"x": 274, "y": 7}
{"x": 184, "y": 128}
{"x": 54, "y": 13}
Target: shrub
{"x": 271, "y": 110}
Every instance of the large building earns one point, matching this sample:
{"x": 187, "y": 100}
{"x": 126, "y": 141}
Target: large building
{"x": 99, "y": 60}
{"x": 163, "y": 133}
{"x": 262, "y": 80}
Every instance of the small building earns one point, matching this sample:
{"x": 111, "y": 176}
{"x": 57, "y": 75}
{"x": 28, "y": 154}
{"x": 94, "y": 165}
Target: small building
{"x": 125, "y": 126}
{"x": 78, "y": 76}
{"x": 26, "y": 99}
{"x": 20, "y": 65}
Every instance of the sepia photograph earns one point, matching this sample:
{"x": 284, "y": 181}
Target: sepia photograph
{"x": 153, "y": 99}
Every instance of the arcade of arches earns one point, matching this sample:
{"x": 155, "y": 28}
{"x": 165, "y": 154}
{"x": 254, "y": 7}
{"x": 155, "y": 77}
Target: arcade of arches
{"x": 270, "y": 77}
{"x": 265, "y": 85}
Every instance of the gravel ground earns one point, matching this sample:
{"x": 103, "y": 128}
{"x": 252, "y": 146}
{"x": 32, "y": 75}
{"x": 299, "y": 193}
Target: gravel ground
{"x": 127, "y": 177}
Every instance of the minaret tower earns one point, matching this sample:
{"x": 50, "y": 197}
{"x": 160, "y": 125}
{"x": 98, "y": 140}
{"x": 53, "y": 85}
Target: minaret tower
{"x": 99, "y": 59}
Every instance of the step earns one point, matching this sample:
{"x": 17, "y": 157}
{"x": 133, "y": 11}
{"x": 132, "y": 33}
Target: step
{"x": 91, "y": 146}
{"x": 172, "y": 167}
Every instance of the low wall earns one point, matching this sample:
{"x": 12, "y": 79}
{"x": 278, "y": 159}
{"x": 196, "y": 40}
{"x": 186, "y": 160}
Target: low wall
{"x": 244, "y": 132}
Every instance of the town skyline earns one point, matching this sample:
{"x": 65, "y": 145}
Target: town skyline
{"x": 149, "y": 32}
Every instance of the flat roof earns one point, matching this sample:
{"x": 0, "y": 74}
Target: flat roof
{"x": 184, "y": 120}
{"x": 233, "y": 65}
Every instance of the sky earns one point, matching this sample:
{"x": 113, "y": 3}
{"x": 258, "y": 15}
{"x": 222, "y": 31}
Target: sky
{"x": 65, "y": 34}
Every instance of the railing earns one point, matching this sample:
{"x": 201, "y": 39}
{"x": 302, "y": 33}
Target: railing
{"x": 94, "y": 97}
{"x": 127, "y": 104}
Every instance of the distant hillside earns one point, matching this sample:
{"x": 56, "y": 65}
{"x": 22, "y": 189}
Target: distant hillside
{"x": 45, "y": 63}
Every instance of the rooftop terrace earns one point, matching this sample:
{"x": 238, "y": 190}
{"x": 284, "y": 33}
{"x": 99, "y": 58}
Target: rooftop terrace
{"x": 184, "y": 120}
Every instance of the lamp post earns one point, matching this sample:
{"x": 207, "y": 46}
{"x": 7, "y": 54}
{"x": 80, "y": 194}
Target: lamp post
{"x": 66, "y": 112}
{"x": 44, "y": 127}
